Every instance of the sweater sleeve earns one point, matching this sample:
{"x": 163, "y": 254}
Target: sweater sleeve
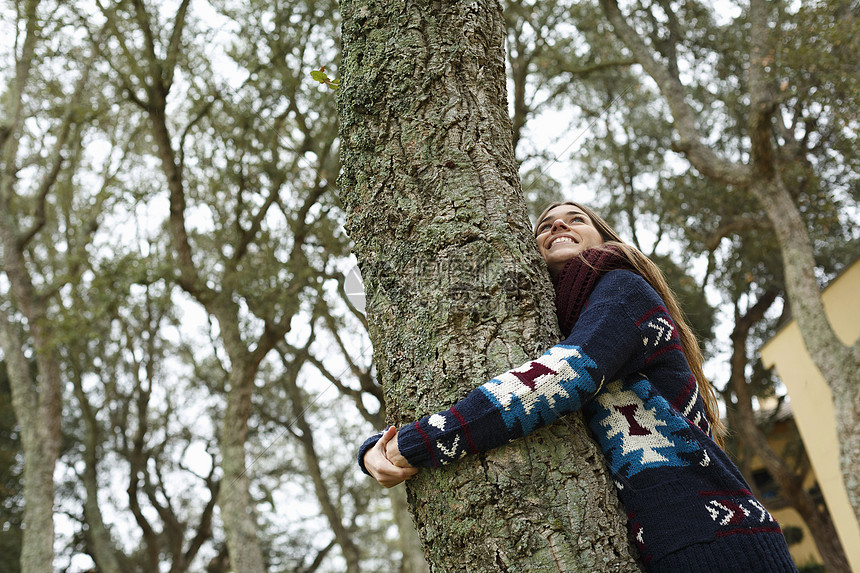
{"x": 368, "y": 443}
{"x": 604, "y": 345}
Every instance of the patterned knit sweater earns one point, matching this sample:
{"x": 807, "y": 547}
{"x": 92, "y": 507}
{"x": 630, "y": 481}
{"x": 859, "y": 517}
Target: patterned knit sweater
{"x": 688, "y": 507}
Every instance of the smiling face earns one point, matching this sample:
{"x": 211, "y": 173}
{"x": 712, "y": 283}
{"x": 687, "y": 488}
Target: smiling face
{"x": 564, "y": 232}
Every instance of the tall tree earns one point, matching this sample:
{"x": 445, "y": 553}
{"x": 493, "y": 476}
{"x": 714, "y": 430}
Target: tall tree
{"x": 456, "y": 289}
{"x": 627, "y": 154}
{"x": 40, "y": 252}
{"x": 148, "y": 73}
{"x": 135, "y": 422}
{"x": 769, "y": 164}
{"x": 251, "y": 257}
{"x": 789, "y": 480}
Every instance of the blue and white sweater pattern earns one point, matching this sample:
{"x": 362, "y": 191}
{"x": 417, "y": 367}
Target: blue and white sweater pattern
{"x": 623, "y": 366}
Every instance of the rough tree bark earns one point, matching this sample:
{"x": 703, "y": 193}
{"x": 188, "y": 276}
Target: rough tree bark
{"x": 456, "y": 289}
{"x": 838, "y": 362}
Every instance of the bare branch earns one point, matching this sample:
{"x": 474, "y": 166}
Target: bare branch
{"x": 175, "y": 41}
{"x": 315, "y": 564}
{"x": 197, "y": 118}
{"x": 332, "y": 513}
{"x": 789, "y": 481}
{"x": 248, "y": 235}
{"x": 377, "y": 419}
{"x": 736, "y": 225}
{"x": 155, "y": 68}
{"x": 273, "y": 332}
{"x": 105, "y": 553}
{"x": 585, "y": 71}
{"x": 9, "y": 140}
{"x": 22, "y": 74}
{"x": 702, "y": 157}
{"x": 56, "y": 160}
{"x": 130, "y": 58}
{"x": 762, "y": 101}
{"x": 668, "y": 46}
{"x": 204, "y": 526}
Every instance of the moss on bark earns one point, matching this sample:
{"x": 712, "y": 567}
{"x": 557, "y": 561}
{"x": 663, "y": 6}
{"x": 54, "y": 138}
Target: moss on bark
{"x": 456, "y": 289}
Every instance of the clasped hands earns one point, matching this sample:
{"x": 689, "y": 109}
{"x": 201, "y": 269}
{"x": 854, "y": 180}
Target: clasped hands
{"x": 385, "y": 463}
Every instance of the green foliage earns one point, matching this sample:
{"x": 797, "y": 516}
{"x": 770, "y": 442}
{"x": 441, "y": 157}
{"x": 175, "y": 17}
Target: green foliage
{"x": 811, "y": 567}
{"x": 628, "y": 153}
{"x": 540, "y": 190}
{"x": 320, "y": 76}
{"x": 793, "y": 535}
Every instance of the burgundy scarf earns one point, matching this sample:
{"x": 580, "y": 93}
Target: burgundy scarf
{"x": 573, "y": 285}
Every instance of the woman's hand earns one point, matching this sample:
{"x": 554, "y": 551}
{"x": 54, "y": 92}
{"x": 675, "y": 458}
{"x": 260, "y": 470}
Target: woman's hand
{"x": 392, "y": 454}
{"x": 388, "y": 473}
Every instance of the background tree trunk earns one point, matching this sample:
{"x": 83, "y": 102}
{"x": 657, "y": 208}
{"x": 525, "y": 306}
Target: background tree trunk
{"x": 37, "y": 400}
{"x": 839, "y": 364}
{"x": 762, "y": 174}
{"x": 456, "y": 289}
{"x": 790, "y": 482}
{"x": 238, "y": 510}
{"x": 38, "y": 413}
{"x": 410, "y": 544}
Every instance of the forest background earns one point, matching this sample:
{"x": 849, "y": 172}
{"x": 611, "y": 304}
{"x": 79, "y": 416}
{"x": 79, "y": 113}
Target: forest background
{"x": 172, "y": 304}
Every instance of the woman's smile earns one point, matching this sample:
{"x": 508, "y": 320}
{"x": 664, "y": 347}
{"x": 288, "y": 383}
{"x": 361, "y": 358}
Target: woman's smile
{"x": 563, "y": 233}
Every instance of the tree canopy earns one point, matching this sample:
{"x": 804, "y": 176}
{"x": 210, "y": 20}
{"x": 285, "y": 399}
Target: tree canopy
{"x": 188, "y": 380}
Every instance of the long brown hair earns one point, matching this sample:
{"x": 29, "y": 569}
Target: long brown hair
{"x": 651, "y": 273}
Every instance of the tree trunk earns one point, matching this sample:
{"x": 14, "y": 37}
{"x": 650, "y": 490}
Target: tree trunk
{"x": 99, "y": 542}
{"x": 237, "y": 511}
{"x": 457, "y": 292}
{"x": 37, "y": 403}
{"x": 237, "y": 508}
{"x": 790, "y": 483}
{"x": 38, "y": 413}
{"x": 342, "y": 535}
{"x": 410, "y": 544}
{"x": 839, "y": 364}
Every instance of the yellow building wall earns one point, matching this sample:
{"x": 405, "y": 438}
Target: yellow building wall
{"x": 806, "y": 551}
{"x": 812, "y": 401}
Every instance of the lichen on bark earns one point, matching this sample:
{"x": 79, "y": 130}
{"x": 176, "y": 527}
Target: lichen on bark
{"x": 456, "y": 291}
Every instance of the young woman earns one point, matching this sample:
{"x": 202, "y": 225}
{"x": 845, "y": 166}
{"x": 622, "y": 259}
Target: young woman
{"x": 631, "y": 364}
